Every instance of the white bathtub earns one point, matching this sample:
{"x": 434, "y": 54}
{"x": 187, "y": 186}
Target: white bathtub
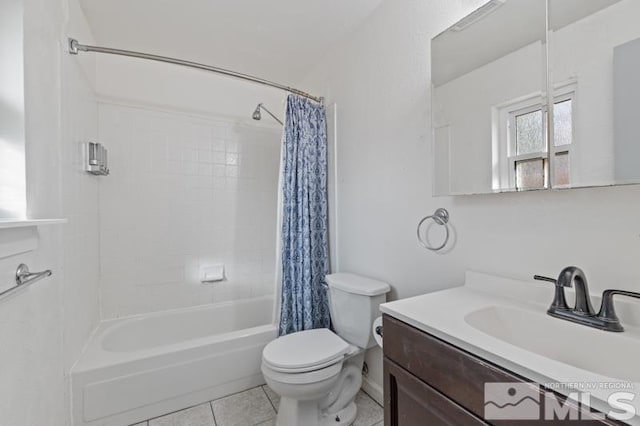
{"x": 140, "y": 367}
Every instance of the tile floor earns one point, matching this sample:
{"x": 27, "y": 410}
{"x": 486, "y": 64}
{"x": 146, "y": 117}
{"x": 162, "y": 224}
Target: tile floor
{"x": 255, "y": 407}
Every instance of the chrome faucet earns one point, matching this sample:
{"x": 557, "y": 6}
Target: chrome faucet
{"x": 582, "y": 312}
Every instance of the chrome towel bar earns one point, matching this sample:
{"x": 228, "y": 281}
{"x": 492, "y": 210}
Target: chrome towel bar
{"x": 25, "y": 278}
{"x": 441, "y": 217}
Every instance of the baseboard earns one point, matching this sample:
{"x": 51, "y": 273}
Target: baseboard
{"x": 373, "y": 389}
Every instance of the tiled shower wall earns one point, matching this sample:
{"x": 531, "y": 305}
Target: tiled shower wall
{"x": 185, "y": 192}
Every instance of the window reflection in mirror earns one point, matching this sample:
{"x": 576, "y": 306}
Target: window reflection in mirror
{"x": 12, "y": 159}
{"x": 489, "y": 105}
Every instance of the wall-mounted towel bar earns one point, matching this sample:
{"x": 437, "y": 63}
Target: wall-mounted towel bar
{"x": 25, "y": 278}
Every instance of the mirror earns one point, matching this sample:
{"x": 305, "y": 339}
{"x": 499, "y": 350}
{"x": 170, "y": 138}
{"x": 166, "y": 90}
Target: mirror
{"x": 491, "y": 131}
{"x": 594, "y": 63}
{"x": 488, "y": 94}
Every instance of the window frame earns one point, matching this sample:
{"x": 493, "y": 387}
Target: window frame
{"x": 512, "y": 146}
{"x": 504, "y": 154}
{"x": 562, "y": 93}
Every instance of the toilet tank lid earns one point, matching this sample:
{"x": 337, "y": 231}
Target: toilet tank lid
{"x": 356, "y": 284}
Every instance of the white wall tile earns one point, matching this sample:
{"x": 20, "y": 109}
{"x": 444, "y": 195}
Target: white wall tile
{"x": 80, "y": 205}
{"x": 204, "y": 194}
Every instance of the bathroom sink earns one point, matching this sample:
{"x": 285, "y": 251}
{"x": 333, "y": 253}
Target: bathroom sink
{"x": 504, "y": 321}
{"x": 601, "y": 352}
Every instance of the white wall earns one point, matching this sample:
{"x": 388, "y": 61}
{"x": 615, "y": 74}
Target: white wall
{"x": 185, "y": 192}
{"x": 380, "y": 80}
{"x": 44, "y": 327}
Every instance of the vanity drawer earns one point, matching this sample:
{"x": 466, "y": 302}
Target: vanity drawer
{"x": 455, "y": 373}
{"x": 411, "y": 402}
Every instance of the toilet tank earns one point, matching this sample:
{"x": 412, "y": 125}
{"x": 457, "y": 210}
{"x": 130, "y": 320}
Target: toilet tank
{"x": 354, "y": 303}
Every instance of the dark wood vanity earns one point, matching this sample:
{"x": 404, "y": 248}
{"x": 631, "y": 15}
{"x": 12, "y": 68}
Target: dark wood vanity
{"x": 430, "y": 382}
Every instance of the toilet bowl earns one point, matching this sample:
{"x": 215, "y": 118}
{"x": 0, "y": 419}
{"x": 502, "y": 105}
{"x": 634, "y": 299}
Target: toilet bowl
{"x": 314, "y": 375}
{"x": 317, "y": 373}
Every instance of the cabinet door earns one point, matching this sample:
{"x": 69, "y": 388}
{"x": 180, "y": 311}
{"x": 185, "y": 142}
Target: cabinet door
{"x": 408, "y": 401}
{"x": 451, "y": 371}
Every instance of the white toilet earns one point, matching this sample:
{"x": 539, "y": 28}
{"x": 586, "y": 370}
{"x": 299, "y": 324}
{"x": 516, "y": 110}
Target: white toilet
{"x": 318, "y": 373}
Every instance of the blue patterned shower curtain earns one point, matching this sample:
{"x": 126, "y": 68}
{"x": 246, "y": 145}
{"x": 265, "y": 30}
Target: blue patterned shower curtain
{"x": 304, "y": 217}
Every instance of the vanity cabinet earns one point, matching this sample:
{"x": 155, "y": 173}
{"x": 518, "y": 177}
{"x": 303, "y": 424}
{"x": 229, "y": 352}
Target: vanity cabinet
{"x": 430, "y": 382}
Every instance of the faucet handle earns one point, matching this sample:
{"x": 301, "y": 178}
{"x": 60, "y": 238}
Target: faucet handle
{"x": 607, "y": 312}
{"x": 559, "y": 301}
{"x": 541, "y": 278}
{"x": 551, "y": 280}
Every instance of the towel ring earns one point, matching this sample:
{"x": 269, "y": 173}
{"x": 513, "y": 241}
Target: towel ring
{"x": 441, "y": 217}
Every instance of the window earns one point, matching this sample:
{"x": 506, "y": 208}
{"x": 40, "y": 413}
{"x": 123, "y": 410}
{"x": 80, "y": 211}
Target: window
{"x": 527, "y": 148}
{"x": 562, "y": 139}
{"x": 521, "y": 154}
{"x": 12, "y": 151}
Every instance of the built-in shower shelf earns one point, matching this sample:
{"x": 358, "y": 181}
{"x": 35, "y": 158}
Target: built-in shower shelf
{"x": 24, "y": 223}
{"x": 21, "y": 235}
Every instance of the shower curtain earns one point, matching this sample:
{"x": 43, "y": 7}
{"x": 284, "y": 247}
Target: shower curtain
{"x": 304, "y": 252}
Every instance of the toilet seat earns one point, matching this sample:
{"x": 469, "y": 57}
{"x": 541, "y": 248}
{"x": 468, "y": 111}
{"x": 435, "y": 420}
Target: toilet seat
{"x": 305, "y": 351}
{"x": 302, "y": 378}
{"x": 336, "y": 360}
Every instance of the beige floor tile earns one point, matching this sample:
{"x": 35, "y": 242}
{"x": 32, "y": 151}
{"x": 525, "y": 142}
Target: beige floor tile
{"x": 273, "y": 397}
{"x": 199, "y": 415}
{"x": 369, "y": 412}
{"x": 247, "y": 408}
{"x": 254, "y": 408}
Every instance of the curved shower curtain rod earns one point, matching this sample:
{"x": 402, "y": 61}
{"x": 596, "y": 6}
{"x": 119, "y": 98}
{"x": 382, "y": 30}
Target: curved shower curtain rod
{"x": 75, "y": 47}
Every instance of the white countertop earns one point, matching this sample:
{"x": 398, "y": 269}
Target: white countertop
{"x": 445, "y": 314}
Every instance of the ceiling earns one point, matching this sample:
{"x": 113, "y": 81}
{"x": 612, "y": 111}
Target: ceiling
{"x": 278, "y": 40}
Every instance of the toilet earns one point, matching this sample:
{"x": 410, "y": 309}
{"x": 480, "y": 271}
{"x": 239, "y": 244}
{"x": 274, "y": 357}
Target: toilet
{"x": 318, "y": 373}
